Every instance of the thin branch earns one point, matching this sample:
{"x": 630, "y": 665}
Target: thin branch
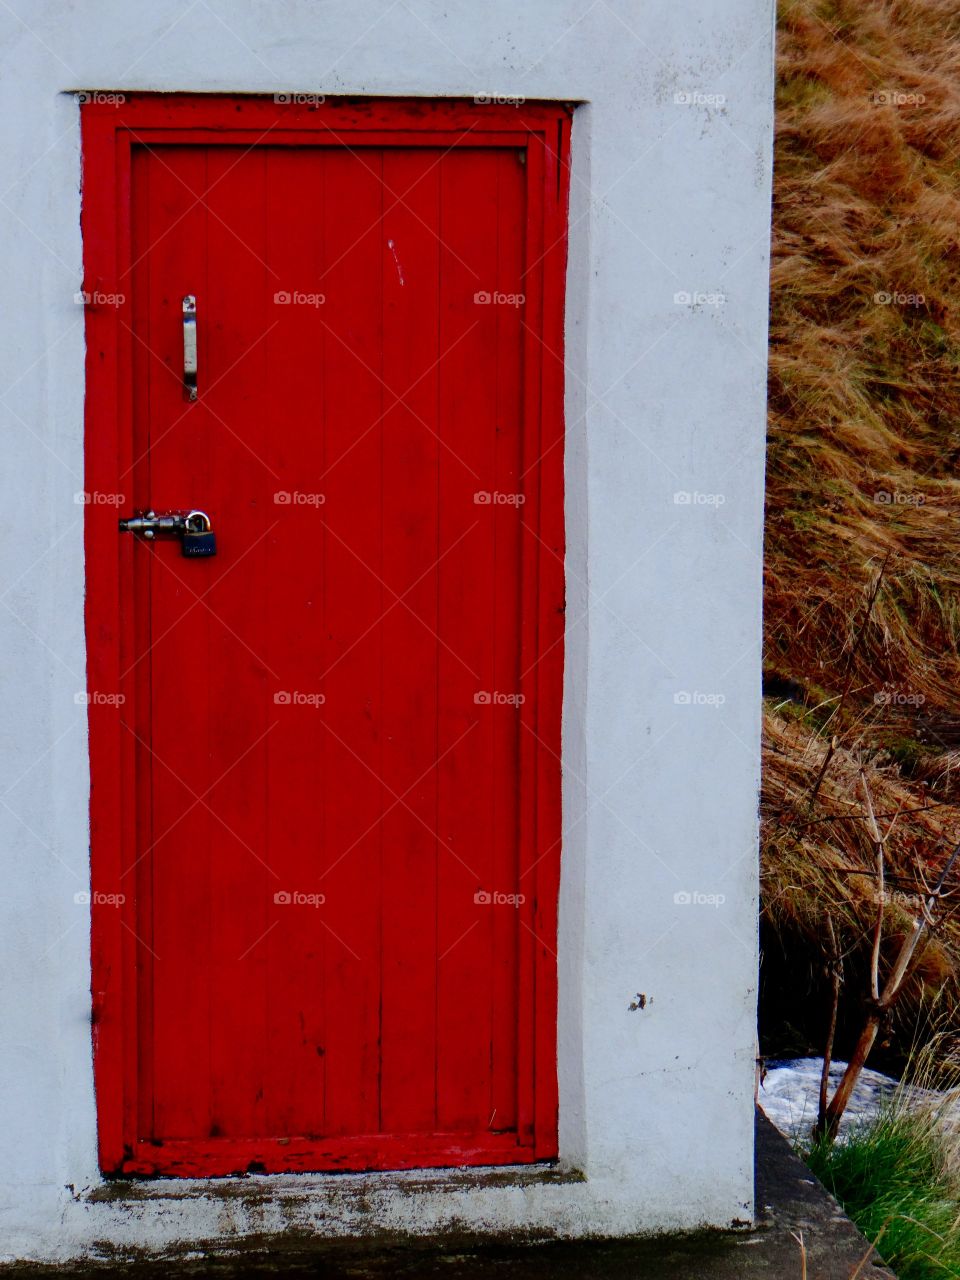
{"x": 848, "y": 677}
{"x": 823, "y": 770}
{"x": 880, "y": 1007}
{"x": 860, "y": 636}
{"x": 835, "y": 970}
{"x": 856, "y": 817}
{"x": 878, "y": 853}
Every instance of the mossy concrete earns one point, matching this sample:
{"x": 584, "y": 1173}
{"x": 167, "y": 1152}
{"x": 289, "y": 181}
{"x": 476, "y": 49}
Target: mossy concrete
{"x": 792, "y": 1205}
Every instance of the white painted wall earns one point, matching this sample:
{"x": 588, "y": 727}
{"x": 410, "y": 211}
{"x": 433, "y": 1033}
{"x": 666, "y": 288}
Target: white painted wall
{"x": 663, "y": 398}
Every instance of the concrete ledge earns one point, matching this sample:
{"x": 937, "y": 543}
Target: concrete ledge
{"x": 791, "y": 1202}
{"x": 331, "y": 1187}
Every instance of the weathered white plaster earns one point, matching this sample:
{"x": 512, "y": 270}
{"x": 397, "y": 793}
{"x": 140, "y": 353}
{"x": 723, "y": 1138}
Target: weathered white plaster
{"x": 663, "y": 398}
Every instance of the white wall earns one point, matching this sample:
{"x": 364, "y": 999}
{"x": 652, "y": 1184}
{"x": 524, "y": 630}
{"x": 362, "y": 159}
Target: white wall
{"x": 663, "y": 597}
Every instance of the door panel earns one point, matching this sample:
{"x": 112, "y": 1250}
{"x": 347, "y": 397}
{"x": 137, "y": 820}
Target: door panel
{"x": 328, "y": 891}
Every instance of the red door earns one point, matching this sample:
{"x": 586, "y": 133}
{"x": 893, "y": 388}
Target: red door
{"x": 326, "y": 800}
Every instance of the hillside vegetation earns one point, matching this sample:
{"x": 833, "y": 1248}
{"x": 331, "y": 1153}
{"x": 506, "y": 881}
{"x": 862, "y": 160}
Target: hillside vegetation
{"x": 862, "y": 644}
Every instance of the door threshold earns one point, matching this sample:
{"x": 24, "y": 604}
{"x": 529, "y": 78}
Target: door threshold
{"x": 401, "y": 1181}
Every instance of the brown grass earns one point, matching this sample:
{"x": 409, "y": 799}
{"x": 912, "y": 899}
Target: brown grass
{"x": 864, "y": 405}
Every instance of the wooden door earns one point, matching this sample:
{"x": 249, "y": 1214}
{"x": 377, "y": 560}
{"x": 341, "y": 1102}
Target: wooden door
{"x": 326, "y": 801}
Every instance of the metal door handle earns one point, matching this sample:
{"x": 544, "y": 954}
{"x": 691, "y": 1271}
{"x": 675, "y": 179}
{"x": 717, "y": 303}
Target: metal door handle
{"x": 190, "y": 346}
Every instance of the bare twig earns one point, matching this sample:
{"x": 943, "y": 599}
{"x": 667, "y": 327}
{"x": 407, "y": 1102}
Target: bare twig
{"x": 879, "y": 1006}
{"x": 848, "y": 677}
{"x": 815, "y": 791}
{"x": 860, "y": 636}
{"x": 835, "y": 970}
{"x": 878, "y": 842}
{"x": 857, "y": 817}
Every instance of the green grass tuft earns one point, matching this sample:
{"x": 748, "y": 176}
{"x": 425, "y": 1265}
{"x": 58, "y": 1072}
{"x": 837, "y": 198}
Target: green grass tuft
{"x": 892, "y": 1179}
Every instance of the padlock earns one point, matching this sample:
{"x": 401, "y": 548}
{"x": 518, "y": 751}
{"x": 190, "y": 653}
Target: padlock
{"x": 198, "y": 537}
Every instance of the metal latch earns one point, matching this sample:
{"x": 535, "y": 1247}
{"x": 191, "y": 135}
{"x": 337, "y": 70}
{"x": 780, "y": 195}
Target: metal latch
{"x": 194, "y": 528}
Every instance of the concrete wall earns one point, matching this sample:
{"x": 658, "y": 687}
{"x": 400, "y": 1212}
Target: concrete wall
{"x": 667, "y": 305}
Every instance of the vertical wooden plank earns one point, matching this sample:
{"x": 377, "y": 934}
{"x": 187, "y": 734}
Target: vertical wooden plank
{"x": 136, "y": 663}
{"x": 171, "y": 872}
{"x": 468, "y": 406}
{"x": 507, "y": 518}
{"x": 411, "y": 551}
{"x": 297, "y": 794}
{"x": 552, "y": 195}
{"x": 353, "y": 606}
{"x": 237, "y": 396}
{"x": 132, "y": 621}
{"x": 532, "y": 750}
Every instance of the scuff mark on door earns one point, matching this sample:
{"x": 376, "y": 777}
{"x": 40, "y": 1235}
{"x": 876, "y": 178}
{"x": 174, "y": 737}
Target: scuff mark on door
{"x": 393, "y": 250}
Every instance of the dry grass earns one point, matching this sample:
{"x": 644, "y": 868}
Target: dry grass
{"x": 864, "y": 405}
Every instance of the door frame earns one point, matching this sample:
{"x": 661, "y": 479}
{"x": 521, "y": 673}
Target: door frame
{"x": 111, "y": 124}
